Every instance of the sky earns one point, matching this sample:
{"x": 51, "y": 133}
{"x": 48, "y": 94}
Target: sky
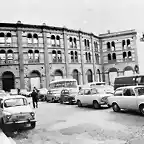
{"x": 96, "y": 16}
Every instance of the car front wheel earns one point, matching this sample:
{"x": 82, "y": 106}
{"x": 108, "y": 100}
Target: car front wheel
{"x": 115, "y": 107}
{"x": 79, "y": 103}
{"x": 141, "y": 109}
{"x": 33, "y": 124}
{"x": 96, "y": 105}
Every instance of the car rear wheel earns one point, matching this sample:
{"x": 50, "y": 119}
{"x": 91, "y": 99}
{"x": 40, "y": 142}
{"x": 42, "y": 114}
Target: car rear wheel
{"x": 79, "y": 103}
{"x": 96, "y": 105}
{"x": 53, "y": 100}
{"x": 33, "y": 124}
{"x": 142, "y": 109}
{"x": 115, "y": 107}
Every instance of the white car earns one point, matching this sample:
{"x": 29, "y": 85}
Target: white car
{"x": 24, "y": 92}
{"x": 92, "y": 96}
{"x": 16, "y": 110}
{"x": 129, "y": 97}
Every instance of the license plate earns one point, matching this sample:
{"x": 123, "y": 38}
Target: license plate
{"x": 21, "y": 117}
{"x": 27, "y": 124}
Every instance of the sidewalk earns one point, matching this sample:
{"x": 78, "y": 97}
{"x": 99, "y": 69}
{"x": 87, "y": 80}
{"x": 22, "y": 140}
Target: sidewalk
{"x": 5, "y": 140}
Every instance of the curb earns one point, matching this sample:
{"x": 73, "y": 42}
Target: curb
{"x": 6, "y": 140}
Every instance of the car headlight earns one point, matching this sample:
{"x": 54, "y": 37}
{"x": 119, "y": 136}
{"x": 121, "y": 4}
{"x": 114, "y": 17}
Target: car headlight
{"x": 104, "y": 99}
{"x": 7, "y": 115}
{"x": 32, "y": 114}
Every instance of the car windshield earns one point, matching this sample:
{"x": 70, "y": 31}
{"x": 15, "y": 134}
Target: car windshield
{"x": 139, "y": 91}
{"x": 13, "y": 102}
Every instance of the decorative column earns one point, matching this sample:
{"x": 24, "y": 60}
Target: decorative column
{"x": 66, "y": 52}
{"x": 101, "y": 59}
{"x": 46, "y": 58}
{"x": 82, "y": 57}
{"x": 93, "y": 55}
{"x": 21, "y": 61}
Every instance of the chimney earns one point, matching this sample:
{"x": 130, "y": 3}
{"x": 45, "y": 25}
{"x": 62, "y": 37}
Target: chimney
{"x": 108, "y": 31}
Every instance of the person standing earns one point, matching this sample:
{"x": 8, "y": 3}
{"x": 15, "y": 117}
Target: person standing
{"x": 34, "y": 96}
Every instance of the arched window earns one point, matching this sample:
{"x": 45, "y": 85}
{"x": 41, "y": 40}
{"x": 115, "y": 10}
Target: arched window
{"x": 85, "y": 42}
{"x": 10, "y": 55}
{"x": 75, "y": 43}
{"x": 96, "y": 46}
{"x": 30, "y": 54}
{"x": 59, "y": 56}
{"x": 129, "y": 55}
{"x": 97, "y": 59}
{"x": 89, "y": 76}
{"x": 76, "y": 56}
{"x": 2, "y": 38}
{"x": 124, "y": 55}
{"x": 72, "y": 56}
{"x": 71, "y": 42}
{"x": 109, "y": 57}
{"x": 114, "y": 56}
{"x": 53, "y": 40}
{"x": 123, "y": 43}
{"x": 113, "y": 45}
{"x": 89, "y": 57}
{"x": 86, "y": 56}
{"x": 35, "y": 39}
{"x": 8, "y": 38}
{"x": 36, "y": 55}
{"x": 58, "y": 41}
{"x": 29, "y": 38}
{"x": 128, "y": 42}
{"x": 88, "y": 45}
{"x": 108, "y": 46}
{"x": 2, "y": 55}
{"x": 54, "y": 57}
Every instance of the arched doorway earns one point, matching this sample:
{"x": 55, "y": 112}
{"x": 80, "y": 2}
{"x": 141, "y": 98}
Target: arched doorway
{"x": 128, "y": 71}
{"x": 89, "y": 76}
{"x": 99, "y": 75}
{"x": 113, "y": 73}
{"x": 35, "y": 80}
{"x": 8, "y": 81}
{"x": 76, "y": 75}
{"x": 58, "y": 75}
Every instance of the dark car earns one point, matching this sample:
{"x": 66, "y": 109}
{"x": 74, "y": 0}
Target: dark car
{"x": 66, "y": 97}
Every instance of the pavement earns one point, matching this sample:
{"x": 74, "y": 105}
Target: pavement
{"x": 68, "y": 124}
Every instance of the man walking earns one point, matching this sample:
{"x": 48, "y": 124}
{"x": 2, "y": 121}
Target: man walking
{"x": 34, "y": 96}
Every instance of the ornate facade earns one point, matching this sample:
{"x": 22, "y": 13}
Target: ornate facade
{"x": 34, "y": 55}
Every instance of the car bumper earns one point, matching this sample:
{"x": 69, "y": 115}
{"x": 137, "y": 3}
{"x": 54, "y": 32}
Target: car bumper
{"x": 19, "y": 122}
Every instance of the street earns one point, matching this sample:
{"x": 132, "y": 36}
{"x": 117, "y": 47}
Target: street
{"x": 68, "y": 124}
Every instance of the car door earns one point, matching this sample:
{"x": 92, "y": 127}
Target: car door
{"x": 80, "y": 96}
{"x": 130, "y": 99}
{"x": 1, "y": 109}
{"x": 87, "y": 96}
{"x": 94, "y": 96}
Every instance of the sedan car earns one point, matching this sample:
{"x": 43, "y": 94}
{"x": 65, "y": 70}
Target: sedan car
{"x": 15, "y": 110}
{"x": 50, "y": 97}
{"x": 92, "y": 96}
{"x": 66, "y": 97}
{"x": 24, "y": 92}
{"x": 129, "y": 97}
{"x": 42, "y": 94}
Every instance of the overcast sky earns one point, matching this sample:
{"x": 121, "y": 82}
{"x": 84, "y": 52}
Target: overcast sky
{"x": 95, "y": 16}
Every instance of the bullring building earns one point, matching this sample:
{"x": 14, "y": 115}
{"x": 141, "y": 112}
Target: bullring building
{"x": 35, "y": 55}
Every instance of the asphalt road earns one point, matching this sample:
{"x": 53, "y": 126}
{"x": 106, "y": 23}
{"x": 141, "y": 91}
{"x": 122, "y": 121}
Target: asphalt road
{"x": 68, "y": 124}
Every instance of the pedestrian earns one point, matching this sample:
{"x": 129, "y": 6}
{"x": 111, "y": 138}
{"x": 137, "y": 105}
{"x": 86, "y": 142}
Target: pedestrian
{"x": 34, "y": 96}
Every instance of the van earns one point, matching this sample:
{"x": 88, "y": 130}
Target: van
{"x": 122, "y": 81}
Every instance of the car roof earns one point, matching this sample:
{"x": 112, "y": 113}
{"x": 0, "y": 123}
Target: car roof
{"x": 130, "y": 87}
{"x": 130, "y": 76}
{"x": 61, "y": 80}
{"x": 12, "y": 96}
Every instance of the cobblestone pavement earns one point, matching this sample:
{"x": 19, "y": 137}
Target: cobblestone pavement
{"x": 68, "y": 124}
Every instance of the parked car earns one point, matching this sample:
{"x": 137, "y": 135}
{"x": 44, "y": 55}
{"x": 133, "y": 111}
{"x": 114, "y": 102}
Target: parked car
{"x": 14, "y": 92}
{"x": 15, "y": 110}
{"x": 3, "y": 93}
{"x": 129, "y": 97}
{"x": 66, "y": 96}
{"x": 101, "y": 85}
{"x": 42, "y": 94}
{"x": 50, "y": 97}
{"x": 24, "y": 92}
{"x": 92, "y": 96}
